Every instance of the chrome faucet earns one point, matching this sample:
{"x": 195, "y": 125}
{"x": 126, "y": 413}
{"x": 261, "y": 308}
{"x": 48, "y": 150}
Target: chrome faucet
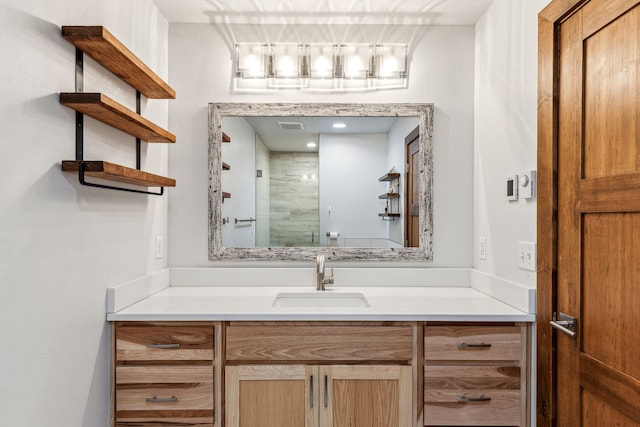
{"x": 321, "y": 280}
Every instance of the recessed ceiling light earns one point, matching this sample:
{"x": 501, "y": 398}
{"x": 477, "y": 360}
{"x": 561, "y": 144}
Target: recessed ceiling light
{"x": 339, "y": 125}
{"x": 311, "y": 144}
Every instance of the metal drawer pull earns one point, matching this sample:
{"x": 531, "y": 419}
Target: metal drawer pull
{"x": 326, "y": 391}
{"x": 464, "y": 345}
{"x": 565, "y": 323}
{"x": 311, "y": 398}
{"x": 465, "y": 399}
{"x": 155, "y": 399}
{"x": 163, "y": 346}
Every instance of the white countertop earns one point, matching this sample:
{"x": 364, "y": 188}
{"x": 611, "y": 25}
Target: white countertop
{"x": 182, "y": 303}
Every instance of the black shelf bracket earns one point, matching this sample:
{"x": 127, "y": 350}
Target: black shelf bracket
{"x": 81, "y": 178}
{"x": 80, "y": 136}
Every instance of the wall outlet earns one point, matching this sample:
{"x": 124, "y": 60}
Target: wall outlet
{"x": 159, "y": 247}
{"x": 482, "y": 248}
{"x": 527, "y": 256}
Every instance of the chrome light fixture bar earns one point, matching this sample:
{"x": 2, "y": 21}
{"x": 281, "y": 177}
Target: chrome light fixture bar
{"x": 320, "y": 66}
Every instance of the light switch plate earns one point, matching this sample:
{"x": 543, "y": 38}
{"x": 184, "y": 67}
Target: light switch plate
{"x": 527, "y": 184}
{"x": 159, "y": 247}
{"x": 482, "y": 248}
{"x": 527, "y": 256}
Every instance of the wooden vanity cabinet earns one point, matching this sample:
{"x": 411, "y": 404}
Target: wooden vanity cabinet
{"x": 164, "y": 374}
{"x": 476, "y": 374}
{"x": 319, "y": 375}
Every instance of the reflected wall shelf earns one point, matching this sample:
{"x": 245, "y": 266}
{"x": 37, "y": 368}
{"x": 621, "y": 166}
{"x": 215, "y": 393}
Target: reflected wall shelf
{"x": 389, "y": 196}
{"x": 225, "y": 166}
{"x": 393, "y": 179}
{"x": 389, "y": 177}
{"x": 102, "y": 46}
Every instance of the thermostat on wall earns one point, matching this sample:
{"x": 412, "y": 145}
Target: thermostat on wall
{"x": 512, "y": 187}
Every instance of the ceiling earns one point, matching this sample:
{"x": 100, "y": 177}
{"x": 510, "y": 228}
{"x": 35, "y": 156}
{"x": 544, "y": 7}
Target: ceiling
{"x": 334, "y": 12}
{"x": 277, "y": 139}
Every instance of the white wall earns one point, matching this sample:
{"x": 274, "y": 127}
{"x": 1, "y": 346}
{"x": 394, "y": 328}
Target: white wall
{"x": 505, "y": 131}
{"x": 62, "y": 245}
{"x": 240, "y": 181}
{"x": 441, "y": 68}
{"x": 263, "y": 194}
{"x": 350, "y": 165}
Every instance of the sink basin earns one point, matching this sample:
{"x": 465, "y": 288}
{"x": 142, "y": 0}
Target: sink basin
{"x": 320, "y": 299}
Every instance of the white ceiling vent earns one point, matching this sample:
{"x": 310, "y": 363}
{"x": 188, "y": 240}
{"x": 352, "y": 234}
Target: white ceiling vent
{"x": 291, "y": 125}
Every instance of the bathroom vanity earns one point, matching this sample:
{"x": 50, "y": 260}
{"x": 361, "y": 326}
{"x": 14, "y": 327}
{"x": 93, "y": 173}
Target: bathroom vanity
{"x": 349, "y": 356}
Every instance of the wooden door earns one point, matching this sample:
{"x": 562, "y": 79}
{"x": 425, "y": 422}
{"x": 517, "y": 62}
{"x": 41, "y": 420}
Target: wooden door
{"x": 412, "y": 190}
{"x": 590, "y": 58}
{"x": 271, "y": 395}
{"x": 365, "y": 396}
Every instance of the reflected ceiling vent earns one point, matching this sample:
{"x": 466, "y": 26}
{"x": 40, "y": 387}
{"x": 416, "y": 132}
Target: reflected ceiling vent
{"x": 291, "y": 125}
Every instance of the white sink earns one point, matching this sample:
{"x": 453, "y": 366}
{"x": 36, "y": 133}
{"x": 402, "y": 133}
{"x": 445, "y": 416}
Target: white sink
{"x": 320, "y": 299}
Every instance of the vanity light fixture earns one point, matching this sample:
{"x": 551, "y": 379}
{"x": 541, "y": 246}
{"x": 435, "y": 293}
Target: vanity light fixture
{"x": 320, "y": 66}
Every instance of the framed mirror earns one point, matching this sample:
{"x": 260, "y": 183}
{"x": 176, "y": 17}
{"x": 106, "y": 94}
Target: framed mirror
{"x": 325, "y": 237}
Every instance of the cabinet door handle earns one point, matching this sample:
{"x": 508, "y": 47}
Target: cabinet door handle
{"x": 326, "y": 391}
{"x": 163, "y": 346}
{"x": 311, "y": 397}
{"x": 464, "y": 345}
{"x": 155, "y": 399}
{"x": 465, "y": 399}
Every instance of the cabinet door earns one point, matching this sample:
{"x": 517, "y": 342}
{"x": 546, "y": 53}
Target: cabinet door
{"x": 271, "y": 395}
{"x": 365, "y": 396}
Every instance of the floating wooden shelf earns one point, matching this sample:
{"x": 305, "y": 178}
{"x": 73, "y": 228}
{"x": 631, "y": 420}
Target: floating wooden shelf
{"x": 225, "y": 137}
{"x": 113, "y": 172}
{"x": 389, "y": 177}
{"x": 389, "y": 215}
{"x": 106, "y": 110}
{"x": 102, "y": 46}
{"x": 389, "y": 196}
{"x": 226, "y": 195}
{"x": 226, "y": 166}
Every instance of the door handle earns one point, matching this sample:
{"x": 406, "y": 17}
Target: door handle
{"x": 565, "y": 323}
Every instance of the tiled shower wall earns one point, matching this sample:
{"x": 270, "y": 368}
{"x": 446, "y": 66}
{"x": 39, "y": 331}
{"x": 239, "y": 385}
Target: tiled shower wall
{"x": 294, "y": 204}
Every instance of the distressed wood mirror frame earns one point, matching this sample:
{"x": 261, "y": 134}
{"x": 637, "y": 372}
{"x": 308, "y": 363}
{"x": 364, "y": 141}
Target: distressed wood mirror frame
{"x": 424, "y": 112}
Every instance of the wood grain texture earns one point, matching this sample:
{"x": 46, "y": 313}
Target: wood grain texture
{"x": 610, "y": 385}
{"x": 611, "y": 96}
{"x": 470, "y": 377}
{"x": 547, "y": 214}
{"x": 170, "y": 374}
{"x": 118, "y": 173}
{"x": 442, "y": 408}
{"x": 275, "y": 395}
{"x": 610, "y": 194}
{"x": 444, "y": 343}
{"x": 165, "y": 419}
{"x": 106, "y": 110}
{"x": 315, "y": 343}
{"x": 195, "y": 341}
{"x": 365, "y": 396}
{"x": 190, "y": 396}
{"x": 107, "y": 50}
{"x": 424, "y": 112}
{"x": 601, "y": 414}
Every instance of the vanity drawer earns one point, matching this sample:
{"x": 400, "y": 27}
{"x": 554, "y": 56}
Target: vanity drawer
{"x": 473, "y": 343}
{"x": 449, "y": 408}
{"x": 317, "y": 342}
{"x": 189, "y": 404}
{"x": 137, "y": 341}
